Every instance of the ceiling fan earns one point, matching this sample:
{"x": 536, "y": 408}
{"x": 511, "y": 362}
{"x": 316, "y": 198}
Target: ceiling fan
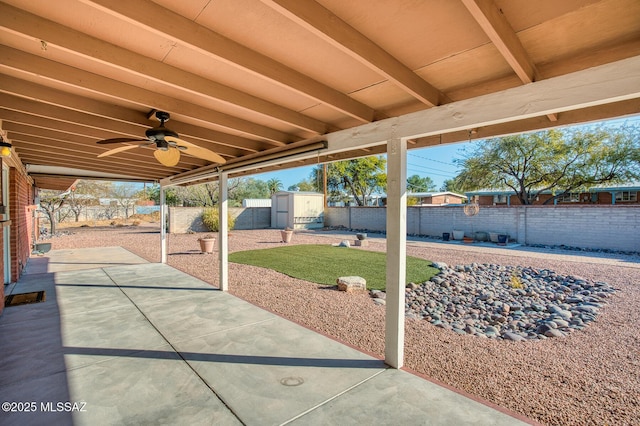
{"x": 168, "y": 144}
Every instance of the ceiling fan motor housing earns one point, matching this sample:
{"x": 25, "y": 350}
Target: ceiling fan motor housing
{"x": 158, "y": 134}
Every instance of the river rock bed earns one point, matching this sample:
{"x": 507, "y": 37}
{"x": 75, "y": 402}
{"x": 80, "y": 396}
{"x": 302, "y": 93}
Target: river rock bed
{"x": 506, "y": 302}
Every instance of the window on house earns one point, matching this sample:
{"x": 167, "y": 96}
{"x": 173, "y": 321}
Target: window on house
{"x": 569, "y": 198}
{"x": 500, "y": 199}
{"x": 626, "y": 196}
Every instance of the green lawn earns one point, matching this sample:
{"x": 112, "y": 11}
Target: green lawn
{"x": 322, "y": 264}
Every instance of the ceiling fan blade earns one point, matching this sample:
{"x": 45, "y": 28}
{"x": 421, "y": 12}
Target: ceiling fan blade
{"x": 168, "y": 158}
{"x": 119, "y": 140}
{"x": 197, "y": 151}
{"x": 117, "y": 150}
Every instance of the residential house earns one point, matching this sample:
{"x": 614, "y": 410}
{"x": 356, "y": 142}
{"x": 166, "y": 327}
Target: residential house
{"x": 604, "y": 194}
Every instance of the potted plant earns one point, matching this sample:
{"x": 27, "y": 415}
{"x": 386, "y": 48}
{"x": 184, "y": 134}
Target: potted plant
{"x": 207, "y": 243}
{"x": 286, "y": 234}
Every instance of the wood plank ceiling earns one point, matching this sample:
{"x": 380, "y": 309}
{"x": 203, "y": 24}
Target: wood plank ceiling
{"x": 245, "y": 78}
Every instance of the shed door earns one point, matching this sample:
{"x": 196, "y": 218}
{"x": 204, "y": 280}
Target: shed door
{"x": 282, "y": 211}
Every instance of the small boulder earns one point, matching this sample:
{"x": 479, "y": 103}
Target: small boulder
{"x": 351, "y": 284}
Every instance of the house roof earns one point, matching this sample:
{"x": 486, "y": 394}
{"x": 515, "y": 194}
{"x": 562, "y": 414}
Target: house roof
{"x": 633, "y": 186}
{"x": 258, "y": 80}
{"x": 434, "y": 194}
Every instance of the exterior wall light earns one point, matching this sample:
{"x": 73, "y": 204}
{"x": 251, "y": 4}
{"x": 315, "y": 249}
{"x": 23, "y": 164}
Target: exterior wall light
{"x": 5, "y": 148}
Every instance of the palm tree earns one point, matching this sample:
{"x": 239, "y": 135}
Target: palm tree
{"x": 274, "y": 185}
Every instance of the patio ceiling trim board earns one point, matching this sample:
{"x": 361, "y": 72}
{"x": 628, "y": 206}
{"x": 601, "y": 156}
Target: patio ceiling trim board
{"x": 90, "y": 176}
{"x": 297, "y": 152}
{"x": 162, "y": 21}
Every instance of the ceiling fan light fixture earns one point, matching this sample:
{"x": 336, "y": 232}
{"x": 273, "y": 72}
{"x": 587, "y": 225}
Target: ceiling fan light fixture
{"x": 162, "y": 145}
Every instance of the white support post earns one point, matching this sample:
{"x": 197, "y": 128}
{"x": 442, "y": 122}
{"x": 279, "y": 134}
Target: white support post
{"x": 223, "y": 234}
{"x": 396, "y": 251}
{"x": 163, "y": 226}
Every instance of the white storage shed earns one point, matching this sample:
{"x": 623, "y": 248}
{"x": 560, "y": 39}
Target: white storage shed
{"x": 297, "y": 210}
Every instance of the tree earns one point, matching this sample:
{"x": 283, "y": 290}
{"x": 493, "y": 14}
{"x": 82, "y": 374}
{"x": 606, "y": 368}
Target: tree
{"x": 357, "y": 178}
{"x": 416, "y": 183}
{"x": 274, "y": 185}
{"x": 307, "y": 185}
{"x": 248, "y": 188}
{"x": 125, "y": 194}
{"x": 86, "y": 193}
{"x": 558, "y": 161}
{"x": 50, "y": 203}
{"x": 452, "y": 185}
{"x": 170, "y": 195}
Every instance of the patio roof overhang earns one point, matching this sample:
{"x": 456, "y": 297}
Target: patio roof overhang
{"x": 265, "y": 78}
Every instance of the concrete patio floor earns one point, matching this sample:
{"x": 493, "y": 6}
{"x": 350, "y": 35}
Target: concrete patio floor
{"x": 131, "y": 342}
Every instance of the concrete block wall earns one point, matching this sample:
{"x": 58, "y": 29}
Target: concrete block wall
{"x": 605, "y": 227}
{"x": 585, "y": 226}
{"x": 185, "y": 219}
{"x": 252, "y": 217}
{"x": 337, "y": 216}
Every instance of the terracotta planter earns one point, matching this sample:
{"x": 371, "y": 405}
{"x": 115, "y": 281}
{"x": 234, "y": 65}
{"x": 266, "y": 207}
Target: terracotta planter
{"x": 207, "y": 244}
{"x": 286, "y": 236}
{"x": 467, "y": 240}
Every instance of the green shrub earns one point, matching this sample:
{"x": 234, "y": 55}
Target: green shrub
{"x": 210, "y": 219}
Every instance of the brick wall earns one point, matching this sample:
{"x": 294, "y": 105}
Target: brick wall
{"x": 2, "y": 269}
{"x": 20, "y": 204}
{"x": 586, "y": 226}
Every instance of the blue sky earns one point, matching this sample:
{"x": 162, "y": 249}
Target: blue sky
{"x": 435, "y": 162}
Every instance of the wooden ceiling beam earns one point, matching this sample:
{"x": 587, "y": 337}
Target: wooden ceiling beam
{"x": 317, "y": 19}
{"x": 232, "y": 145}
{"x": 94, "y": 49}
{"x": 26, "y": 106}
{"x": 26, "y": 62}
{"x": 160, "y": 20}
{"x": 504, "y": 38}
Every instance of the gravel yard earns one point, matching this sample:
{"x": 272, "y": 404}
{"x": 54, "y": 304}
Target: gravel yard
{"x": 591, "y": 376}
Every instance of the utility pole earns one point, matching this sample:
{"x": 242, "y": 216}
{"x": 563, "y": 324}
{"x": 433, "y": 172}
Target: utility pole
{"x": 324, "y": 184}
